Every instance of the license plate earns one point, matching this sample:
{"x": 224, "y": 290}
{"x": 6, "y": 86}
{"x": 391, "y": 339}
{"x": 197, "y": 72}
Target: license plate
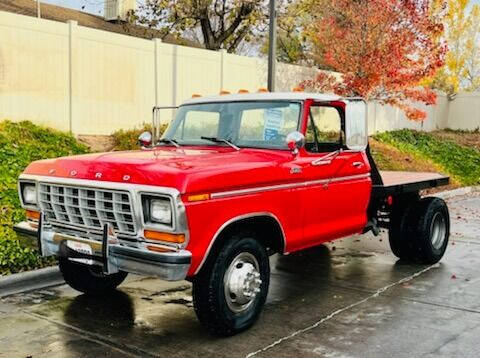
{"x": 82, "y": 248}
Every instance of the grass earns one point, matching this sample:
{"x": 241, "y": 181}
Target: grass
{"x": 462, "y": 162}
{"x": 20, "y": 144}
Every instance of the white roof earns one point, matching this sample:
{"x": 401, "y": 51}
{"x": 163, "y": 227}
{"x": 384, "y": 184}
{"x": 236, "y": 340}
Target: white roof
{"x": 264, "y": 96}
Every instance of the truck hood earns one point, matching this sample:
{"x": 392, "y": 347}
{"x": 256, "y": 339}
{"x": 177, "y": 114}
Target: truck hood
{"x": 188, "y": 169}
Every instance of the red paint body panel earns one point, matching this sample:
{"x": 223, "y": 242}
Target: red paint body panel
{"x": 192, "y": 170}
{"x": 309, "y": 213}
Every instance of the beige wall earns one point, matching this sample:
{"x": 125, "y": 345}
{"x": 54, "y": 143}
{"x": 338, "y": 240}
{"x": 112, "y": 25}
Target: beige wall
{"x": 464, "y": 112}
{"x": 34, "y": 81}
{"x": 95, "y": 82}
{"x": 383, "y": 118}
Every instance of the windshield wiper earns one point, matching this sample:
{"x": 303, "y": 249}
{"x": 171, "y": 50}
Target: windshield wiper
{"x": 169, "y": 141}
{"x": 220, "y": 140}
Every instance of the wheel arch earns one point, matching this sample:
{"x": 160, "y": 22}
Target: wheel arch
{"x": 258, "y": 222}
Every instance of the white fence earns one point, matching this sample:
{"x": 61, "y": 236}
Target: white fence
{"x": 95, "y": 82}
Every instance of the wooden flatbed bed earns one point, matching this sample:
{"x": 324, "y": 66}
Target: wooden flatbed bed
{"x": 394, "y": 182}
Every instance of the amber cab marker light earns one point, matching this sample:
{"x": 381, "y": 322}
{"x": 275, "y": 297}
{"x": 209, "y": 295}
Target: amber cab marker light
{"x": 163, "y": 236}
{"x": 196, "y": 95}
{"x": 223, "y": 92}
{"x": 240, "y": 91}
{"x": 32, "y": 215}
{"x": 297, "y": 89}
{"x": 262, "y": 90}
{"x": 198, "y": 197}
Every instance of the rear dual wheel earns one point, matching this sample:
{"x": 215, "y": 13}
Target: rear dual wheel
{"x": 230, "y": 291}
{"x": 419, "y": 230}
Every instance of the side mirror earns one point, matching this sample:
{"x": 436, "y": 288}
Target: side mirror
{"x": 356, "y": 132}
{"x": 145, "y": 139}
{"x": 295, "y": 141}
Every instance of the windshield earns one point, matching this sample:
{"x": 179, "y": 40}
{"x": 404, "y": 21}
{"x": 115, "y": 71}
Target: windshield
{"x": 258, "y": 124}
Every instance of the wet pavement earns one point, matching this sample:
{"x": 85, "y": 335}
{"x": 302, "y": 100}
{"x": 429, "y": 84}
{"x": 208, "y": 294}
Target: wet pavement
{"x": 351, "y": 298}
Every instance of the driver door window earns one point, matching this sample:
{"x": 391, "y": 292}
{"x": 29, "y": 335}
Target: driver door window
{"x": 324, "y": 130}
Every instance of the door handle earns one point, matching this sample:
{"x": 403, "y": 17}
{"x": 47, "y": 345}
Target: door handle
{"x": 357, "y": 164}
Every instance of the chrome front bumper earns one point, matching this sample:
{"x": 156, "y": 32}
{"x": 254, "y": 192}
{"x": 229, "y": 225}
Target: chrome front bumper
{"x": 109, "y": 253}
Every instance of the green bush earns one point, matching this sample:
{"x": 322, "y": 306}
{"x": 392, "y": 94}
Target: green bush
{"x": 461, "y": 162}
{"x": 128, "y": 139}
{"x": 20, "y": 144}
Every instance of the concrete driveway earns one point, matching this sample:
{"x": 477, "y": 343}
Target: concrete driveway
{"x": 347, "y": 299}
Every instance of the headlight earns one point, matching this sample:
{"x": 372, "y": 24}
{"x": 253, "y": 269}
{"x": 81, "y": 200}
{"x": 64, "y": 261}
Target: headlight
{"x": 157, "y": 210}
{"x": 160, "y": 211}
{"x": 29, "y": 193}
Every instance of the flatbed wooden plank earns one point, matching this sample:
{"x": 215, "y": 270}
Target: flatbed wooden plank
{"x": 394, "y": 178}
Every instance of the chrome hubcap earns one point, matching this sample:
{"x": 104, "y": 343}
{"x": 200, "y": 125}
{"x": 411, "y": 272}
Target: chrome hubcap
{"x": 242, "y": 282}
{"x": 438, "y": 230}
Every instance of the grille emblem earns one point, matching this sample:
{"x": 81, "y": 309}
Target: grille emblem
{"x": 73, "y": 173}
{"x": 98, "y": 175}
{"x": 126, "y": 177}
{"x": 51, "y": 171}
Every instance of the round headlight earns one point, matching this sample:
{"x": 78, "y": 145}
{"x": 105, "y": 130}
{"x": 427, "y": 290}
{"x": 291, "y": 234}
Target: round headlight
{"x": 30, "y": 194}
{"x": 160, "y": 211}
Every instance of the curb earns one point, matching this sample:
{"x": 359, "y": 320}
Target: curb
{"x": 30, "y": 280}
{"x": 457, "y": 192}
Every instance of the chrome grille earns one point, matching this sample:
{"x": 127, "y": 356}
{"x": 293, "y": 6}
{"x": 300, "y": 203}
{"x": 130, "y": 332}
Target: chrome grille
{"x": 87, "y": 207}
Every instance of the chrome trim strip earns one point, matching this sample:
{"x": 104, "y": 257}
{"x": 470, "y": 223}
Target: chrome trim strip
{"x": 224, "y": 194}
{"x": 235, "y": 219}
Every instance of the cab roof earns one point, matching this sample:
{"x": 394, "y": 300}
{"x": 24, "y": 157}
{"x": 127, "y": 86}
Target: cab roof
{"x": 264, "y": 96}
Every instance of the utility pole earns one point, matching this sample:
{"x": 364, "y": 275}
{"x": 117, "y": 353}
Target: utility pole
{"x": 272, "y": 46}
{"x": 39, "y": 15}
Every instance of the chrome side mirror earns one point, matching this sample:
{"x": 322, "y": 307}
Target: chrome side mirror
{"x": 356, "y": 119}
{"x": 145, "y": 139}
{"x": 295, "y": 141}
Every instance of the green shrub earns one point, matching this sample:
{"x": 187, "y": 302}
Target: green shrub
{"x": 461, "y": 162}
{"x": 128, "y": 139}
{"x": 20, "y": 144}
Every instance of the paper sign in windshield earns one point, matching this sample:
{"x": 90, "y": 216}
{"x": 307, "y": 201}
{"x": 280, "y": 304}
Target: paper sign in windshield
{"x": 273, "y": 123}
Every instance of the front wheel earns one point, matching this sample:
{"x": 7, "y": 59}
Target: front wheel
{"x": 230, "y": 291}
{"x": 421, "y": 231}
{"x": 89, "y": 279}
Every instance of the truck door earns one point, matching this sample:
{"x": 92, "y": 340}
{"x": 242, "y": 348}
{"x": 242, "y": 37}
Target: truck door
{"x": 337, "y": 181}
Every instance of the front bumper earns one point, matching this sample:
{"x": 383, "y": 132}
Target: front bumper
{"x": 109, "y": 253}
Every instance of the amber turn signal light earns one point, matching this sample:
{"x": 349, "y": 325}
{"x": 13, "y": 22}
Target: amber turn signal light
{"x": 163, "y": 236}
{"x": 158, "y": 249}
{"x": 198, "y": 197}
{"x": 32, "y": 215}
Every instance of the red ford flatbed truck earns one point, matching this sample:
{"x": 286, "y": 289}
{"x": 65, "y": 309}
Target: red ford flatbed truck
{"x": 234, "y": 179}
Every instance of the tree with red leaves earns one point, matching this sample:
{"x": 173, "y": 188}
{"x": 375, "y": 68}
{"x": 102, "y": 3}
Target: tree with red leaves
{"x": 382, "y": 50}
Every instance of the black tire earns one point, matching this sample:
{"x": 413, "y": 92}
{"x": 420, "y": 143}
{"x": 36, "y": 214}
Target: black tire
{"x": 209, "y": 297}
{"x": 399, "y": 220}
{"x": 89, "y": 279}
{"x": 412, "y": 233}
